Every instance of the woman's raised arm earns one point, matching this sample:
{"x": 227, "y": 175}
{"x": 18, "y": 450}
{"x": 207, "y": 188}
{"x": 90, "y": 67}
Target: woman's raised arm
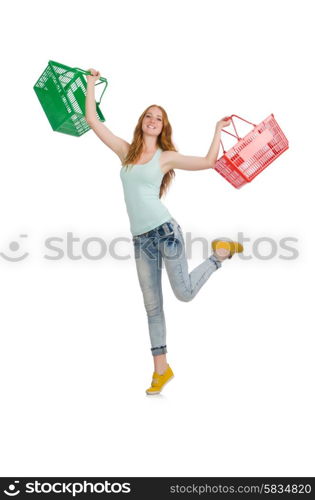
{"x": 176, "y": 160}
{"x": 116, "y": 144}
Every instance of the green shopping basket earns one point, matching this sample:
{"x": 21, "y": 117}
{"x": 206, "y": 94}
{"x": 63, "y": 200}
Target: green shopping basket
{"x": 61, "y": 90}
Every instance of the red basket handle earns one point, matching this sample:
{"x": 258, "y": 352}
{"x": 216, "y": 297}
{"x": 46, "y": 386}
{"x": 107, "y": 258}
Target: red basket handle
{"x": 236, "y": 136}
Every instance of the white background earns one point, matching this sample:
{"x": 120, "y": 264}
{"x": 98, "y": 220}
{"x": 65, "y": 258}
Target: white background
{"x": 75, "y": 347}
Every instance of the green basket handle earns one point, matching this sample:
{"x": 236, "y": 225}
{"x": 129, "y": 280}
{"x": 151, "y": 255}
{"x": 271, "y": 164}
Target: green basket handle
{"x": 89, "y": 73}
{"x": 102, "y": 80}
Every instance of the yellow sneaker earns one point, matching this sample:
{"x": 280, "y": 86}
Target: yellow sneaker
{"x": 232, "y": 246}
{"x": 159, "y": 381}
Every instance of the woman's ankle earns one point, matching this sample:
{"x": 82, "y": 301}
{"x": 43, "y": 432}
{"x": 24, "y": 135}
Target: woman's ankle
{"x": 160, "y": 368}
{"x": 160, "y": 363}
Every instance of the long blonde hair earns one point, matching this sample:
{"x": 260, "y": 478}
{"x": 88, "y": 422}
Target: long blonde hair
{"x": 164, "y": 141}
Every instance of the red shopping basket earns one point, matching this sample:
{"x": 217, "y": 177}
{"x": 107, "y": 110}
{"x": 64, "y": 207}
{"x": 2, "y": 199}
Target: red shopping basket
{"x": 252, "y": 154}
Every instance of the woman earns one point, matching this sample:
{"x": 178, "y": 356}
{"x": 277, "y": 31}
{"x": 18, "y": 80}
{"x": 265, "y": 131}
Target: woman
{"x": 147, "y": 169}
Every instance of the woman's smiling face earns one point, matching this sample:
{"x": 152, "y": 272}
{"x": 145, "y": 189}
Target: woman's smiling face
{"x": 152, "y": 123}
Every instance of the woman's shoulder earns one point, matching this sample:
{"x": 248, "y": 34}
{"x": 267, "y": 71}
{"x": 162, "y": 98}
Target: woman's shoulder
{"x": 165, "y": 157}
{"x": 167, "y": 154}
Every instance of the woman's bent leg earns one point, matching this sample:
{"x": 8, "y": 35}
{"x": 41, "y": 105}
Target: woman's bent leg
{"x": 185, "y": 285}
{"x": 148, "y": 264}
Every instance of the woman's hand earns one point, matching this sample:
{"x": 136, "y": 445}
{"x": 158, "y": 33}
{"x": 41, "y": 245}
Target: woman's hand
{"x": 95, "y": 75}
{"x": 224, "y": 122}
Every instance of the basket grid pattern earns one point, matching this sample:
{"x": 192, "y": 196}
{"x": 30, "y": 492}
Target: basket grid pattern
{"x": 68, "y": 87}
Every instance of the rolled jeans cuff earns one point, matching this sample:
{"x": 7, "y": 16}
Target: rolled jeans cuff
{"x": 158, "y": 350}
{"x": 217, "y": 262}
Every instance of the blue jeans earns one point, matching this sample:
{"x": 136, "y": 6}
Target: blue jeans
{"x": 166, "y": 242}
